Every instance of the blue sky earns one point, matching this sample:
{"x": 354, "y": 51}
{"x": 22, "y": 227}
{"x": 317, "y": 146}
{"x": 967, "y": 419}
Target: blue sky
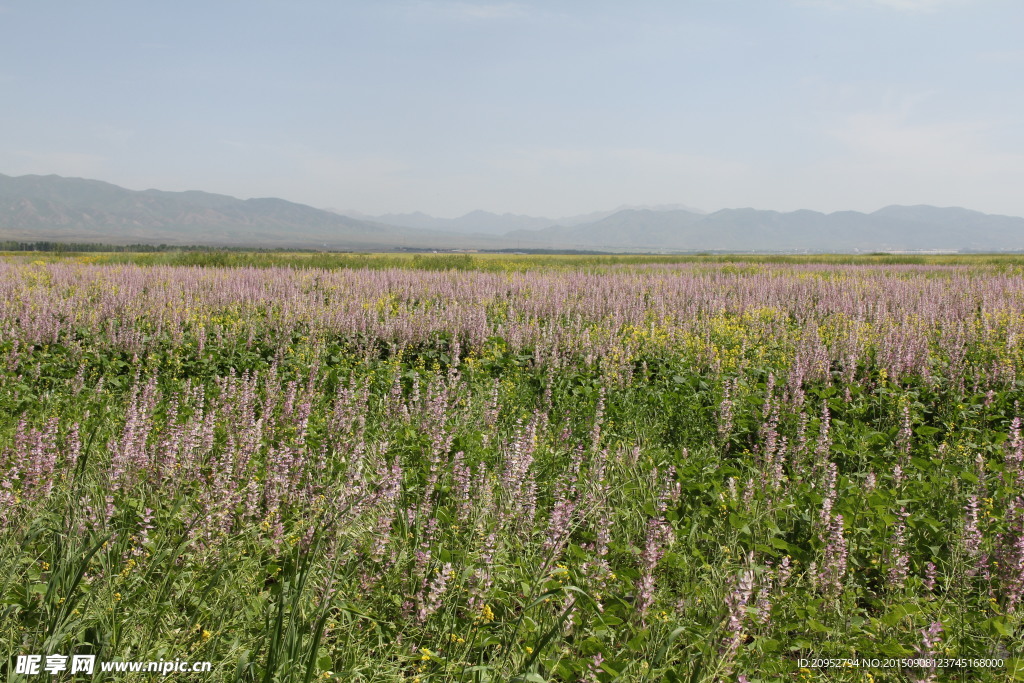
{"x": 549, "y": 108}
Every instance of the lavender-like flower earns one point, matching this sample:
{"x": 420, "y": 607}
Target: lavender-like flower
{"x": 899, "y": 561}
{"x": 725, "y": 410}
{"x": 833, "y": 564}
{"x": 1009, "y": 555}
{"x": 436, "y": 590}
{"x": 930, "y": 639}
{"x": 905, "y": 433}
{"x": 971, "y": 536}
{"x": 929, "y": 577}
{"x": 659, "y": 536}
{"x": 736, "y": 603}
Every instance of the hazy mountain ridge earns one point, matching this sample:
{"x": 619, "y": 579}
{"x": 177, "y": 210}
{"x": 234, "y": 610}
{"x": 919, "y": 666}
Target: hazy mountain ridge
{"x": 892, "y": 228}
{"x": 57, "y": 208}
{"x": 475, "y": 222}
{"x": 74, "y": 209}
{"x": 487, "y": 223}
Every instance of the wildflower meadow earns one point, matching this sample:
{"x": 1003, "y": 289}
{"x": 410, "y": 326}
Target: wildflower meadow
{"x": 638, "y": 472}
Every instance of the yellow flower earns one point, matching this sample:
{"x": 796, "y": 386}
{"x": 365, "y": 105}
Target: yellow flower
{"x": 528, "y": 650}
{"x": 486, "y": 614}
{"x": 427, "y": 654}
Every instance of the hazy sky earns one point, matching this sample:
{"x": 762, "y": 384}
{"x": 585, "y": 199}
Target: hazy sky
{"x": 549, "y": 108}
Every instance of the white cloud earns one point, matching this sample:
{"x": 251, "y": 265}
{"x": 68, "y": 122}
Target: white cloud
{"x": 537, "y": 180}
{"x": 895, "y": 133}
{"x": 330, "y": 179}
{"x": 115, "y": 135}
{"x": 555, "y": 181}
{"x": 462, "y": 10}
{"x": 899, "y": 5}
{"x": 915, "y": 5}
{"x": 891, "y": 156}
{"x": 1001, "y": 57}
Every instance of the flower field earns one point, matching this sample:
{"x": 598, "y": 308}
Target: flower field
{"x": 646, "y": 472}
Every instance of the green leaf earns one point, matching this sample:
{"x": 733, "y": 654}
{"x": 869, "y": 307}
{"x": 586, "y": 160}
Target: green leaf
{"x": 1015, "y": 668}
{"x": 738, "y": 523}
{"x": 998, "y": 626}
{"x": 663, "y": 650}
{"x": 638, "y": 642}
{"x": 243, "y": 664}
{"x": 816, "y": 625}
{"x": 533, "y": 677}
{"x": 899, "y": 612}
{"x": 894, "y": 650}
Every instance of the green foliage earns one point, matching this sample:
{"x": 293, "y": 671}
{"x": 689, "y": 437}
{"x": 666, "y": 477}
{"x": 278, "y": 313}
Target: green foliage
{"x": 317, "y": 604}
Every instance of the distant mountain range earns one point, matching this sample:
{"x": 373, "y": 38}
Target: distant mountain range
{"x": 55, "y": 208}
{"x": 486, "y": 223}
{"x": 894, "y": 228}
{"x": 78, "y": 210}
